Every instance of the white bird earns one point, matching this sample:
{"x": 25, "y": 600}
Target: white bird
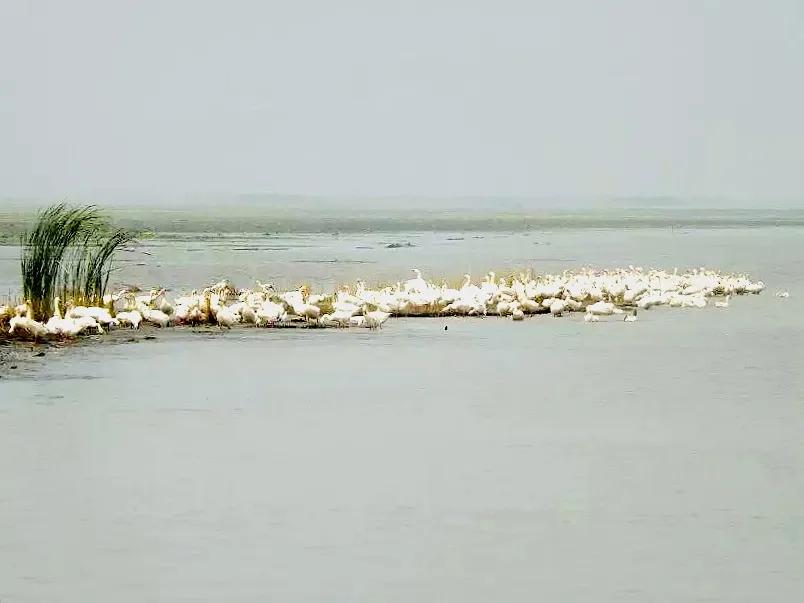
{"x": 557, "y": 307}
{"x": 502, "y": 307}
{"x": 530, "y": 306}
{"x": 62, "y": 327}
{"x": 225, "y": 317}
{"x": 415, "y": 284}
{"x": 146, "y": 299}
{"x": 156, "y": 317}
{"x": 325, "y": 320}
{"x": 87, "y": 322}
{"x": 101, "y": 315}
{"x": 307, "y": 311}
{"x": 599, "y": 293}
{"x": 783, "y": 294}
{"x": 601, "y": 308}
{"x": 132, "y": 318}
{"x": 341, "y": 318}
{"x": 357, "y": 321}
{"x": 269, "y": 312}
{"x": 162, "y": 304}
{"x": 631, "y": 317}
{"x": 375, "y": 319}
{"x": 346, "y": 307}
{"x": 245, "y": 312}
{"x": 26, "y": 325}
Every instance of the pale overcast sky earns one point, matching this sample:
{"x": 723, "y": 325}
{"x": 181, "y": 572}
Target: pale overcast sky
{"x": 441, "y": 98}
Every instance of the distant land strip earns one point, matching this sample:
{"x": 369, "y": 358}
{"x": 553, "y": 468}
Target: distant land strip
{"x": 154, "y": 223}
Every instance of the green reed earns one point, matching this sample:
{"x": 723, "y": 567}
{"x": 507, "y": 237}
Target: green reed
{"x": 68, "y": 252}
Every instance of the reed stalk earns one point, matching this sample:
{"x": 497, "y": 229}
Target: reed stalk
{"x": 69, "y": 252}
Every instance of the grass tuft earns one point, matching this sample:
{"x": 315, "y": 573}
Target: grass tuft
{"x": 68, "y": 252}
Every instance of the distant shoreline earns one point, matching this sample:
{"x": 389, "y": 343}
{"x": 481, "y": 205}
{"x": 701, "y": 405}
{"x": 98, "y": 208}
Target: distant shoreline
{"x": 167, "y": 223}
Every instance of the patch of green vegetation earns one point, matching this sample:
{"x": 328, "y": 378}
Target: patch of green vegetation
{"x": 68, "y": 252}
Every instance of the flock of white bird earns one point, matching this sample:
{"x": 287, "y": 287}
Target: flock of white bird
{"x": 596, "y": 294}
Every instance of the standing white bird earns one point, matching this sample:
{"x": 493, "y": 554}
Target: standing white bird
{"x": 630, "y": 317}
{"x": 162, "y": 304}
{"x": 225, "y": 317}
{"x": 589, "y": 317}
{"x": 357, "y": 321}
{"x": 557, "y": 307}
{"x": 307, "y": 311}
{"x": 415, "y": 284}
{"x": 375, "y": 319}
{"x": 156, "y": 317}
{"x": 340, "y": 318}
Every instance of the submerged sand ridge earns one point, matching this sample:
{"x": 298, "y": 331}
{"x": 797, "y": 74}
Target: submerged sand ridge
{"x": 596, "y": 293}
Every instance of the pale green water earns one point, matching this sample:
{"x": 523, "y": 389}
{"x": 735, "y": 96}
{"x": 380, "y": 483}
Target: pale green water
{"x": 545, "y": 460}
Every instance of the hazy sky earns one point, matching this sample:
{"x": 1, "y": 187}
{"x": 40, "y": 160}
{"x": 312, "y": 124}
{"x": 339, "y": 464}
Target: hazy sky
{"x": 114, "y": 98}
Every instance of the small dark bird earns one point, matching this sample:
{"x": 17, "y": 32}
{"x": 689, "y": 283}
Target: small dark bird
{"x": 446, "y": 327}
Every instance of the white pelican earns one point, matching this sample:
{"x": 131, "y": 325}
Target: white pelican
{"x": 601, "y": 308}
{"x": 26, "y": 324}
{"x": 307, "y": 311}
{"x": 156, "y": 317}
{"x": 357, "y": 321}
{"x": 269, "y": 312}
{"x": 132, "y": 318}
{"x": 87, "y": 322}
{"x": 341, "y": 318}
{"x": 557, "y": 307}
{"x": 375, "y": 319}
{"x": 415, "y": 284}
{"x": 101, "y": 315}
{"x": 225, "y": 317}
{"x": 63, "y": 327}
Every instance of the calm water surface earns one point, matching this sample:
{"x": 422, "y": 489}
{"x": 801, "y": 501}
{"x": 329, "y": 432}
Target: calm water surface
{"x": 545, "y": 460}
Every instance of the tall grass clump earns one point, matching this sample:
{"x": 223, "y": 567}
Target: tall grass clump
{"x": 69, "y": 253}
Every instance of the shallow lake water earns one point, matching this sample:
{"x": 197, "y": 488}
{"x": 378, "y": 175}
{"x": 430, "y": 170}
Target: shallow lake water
{"x": 545, "y": 460}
